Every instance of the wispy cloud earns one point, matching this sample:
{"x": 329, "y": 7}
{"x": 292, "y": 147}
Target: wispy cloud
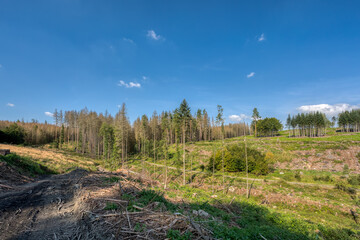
{"x": 329, "y": 110}
{"x": 10, "y": 105}
{"x": 128, "y": 40}
{"x": 49, "y": 114}
{"x": 152, "y": 35}
{"x": 239, "y": 118}
{"x": 250, "y": 75}
{"x": 129, "y": 85}
{"x": 1, "y": 66}
{"x": 261, "y": 38}
{"x": 145, "y": 78}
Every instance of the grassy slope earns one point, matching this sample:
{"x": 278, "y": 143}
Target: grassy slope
{"x": 281, "y": 206}
{"x": 311, "y": 198}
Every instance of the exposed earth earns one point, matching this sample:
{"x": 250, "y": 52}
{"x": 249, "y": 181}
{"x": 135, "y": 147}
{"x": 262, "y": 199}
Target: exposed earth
{"x": 76, "y": 206}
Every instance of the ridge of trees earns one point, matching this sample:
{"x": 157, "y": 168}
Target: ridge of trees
{"x": 311, "y": 124}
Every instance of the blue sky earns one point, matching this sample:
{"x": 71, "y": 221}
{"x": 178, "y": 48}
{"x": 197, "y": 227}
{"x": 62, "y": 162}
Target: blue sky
{"x": 279, "y": 56}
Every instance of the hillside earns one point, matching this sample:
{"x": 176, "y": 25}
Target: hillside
{"x": 311, "y": 193}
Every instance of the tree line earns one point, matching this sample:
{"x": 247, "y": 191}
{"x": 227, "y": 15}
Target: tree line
{"x": 115, "y": 137}
{"x": 28, "y": 133}
{"x": 104, "y": 135}
{"x": 311, "y": 124}
{"x": 349, "y": 121}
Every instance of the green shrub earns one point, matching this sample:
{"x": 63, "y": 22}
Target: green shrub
{"x": 298, "y": 176}
{"x": 235, "y": 160}
{"x": 346, "y": 169}
{"x": 326, "y": 178}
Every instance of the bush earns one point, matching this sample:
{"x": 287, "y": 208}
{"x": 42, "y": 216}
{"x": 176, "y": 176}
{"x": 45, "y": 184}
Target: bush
{"x": 326, "y": 178}
{"x": 298, "y": 176}
{"x": 235, "y": 161}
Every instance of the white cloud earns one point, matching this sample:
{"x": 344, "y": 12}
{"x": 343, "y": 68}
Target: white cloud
{"x": 152, "y": 35}
{"x": 128, "y": 40}
{"x": 144, "y": 78}
{"x": 49, "y": 114}
{"x": 250, "y": 75}
{"x": 261, "y": 38}
{"x": 239, "y": 118}
{"x": 330, "y": 110}
{"x": 129, "y": 85}
{"x": 10, "y": 105}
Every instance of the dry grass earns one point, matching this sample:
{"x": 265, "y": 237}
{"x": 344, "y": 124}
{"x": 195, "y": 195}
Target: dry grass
{"x": 52, "y": 159}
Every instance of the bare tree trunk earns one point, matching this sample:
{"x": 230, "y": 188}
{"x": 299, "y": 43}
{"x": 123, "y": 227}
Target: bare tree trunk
{"x": 247, "y": 170}
{"x": 213, "y": 170}
{"x": 184, "y": 153}
{"x": 166, "y": 158}
{"x": 222, "y": 157}
{"x": 154, "y": 147}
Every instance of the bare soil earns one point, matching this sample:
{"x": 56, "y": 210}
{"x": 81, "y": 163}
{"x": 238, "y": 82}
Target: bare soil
{"x": 10, "y": 178}
{"x": 329, "y": 160}
{"x": 73, "y": 206}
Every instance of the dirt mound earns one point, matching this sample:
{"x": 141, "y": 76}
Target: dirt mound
{"x": 84, "y": 205}
{"x": 9, "y": 177}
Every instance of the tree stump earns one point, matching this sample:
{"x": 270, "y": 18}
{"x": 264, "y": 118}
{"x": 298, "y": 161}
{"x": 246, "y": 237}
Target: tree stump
{"x": 4, "y": 152}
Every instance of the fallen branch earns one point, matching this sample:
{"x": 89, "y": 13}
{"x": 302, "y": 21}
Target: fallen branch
{"x": 113, "y": 200}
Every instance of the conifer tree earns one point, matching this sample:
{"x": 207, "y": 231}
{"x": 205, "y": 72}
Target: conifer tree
{"x": 255, "y": 117}
{"x": 220, "y": 122}
{"x": 185, "y": 117}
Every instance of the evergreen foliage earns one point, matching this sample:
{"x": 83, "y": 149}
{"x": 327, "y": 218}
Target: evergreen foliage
{"x": 13, "y": 134}
{"x": 234, "y": 160}
{"x": 349, "y": 121}
{"x": 308, "y": 124}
